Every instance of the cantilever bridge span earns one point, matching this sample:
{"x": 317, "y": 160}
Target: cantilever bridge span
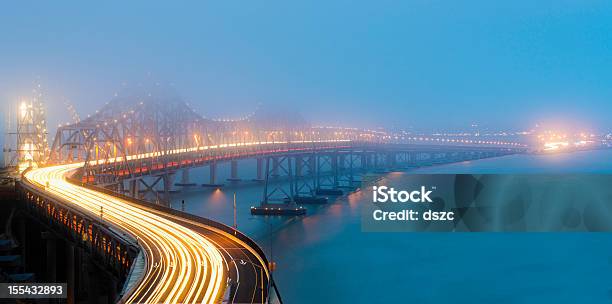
{"x": 311, "y": 166}
{"x": 90, "y": 190}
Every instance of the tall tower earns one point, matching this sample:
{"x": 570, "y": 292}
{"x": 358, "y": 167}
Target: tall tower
{"x": 9, "y": 142}
{"x": 31, "y": 147}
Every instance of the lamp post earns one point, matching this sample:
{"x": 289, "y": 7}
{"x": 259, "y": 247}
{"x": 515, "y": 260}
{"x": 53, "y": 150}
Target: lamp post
{"x": 235, "y": 220}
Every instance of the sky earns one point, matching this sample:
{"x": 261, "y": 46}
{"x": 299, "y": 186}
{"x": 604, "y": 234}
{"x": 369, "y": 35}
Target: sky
{"x": 422, "y": 64}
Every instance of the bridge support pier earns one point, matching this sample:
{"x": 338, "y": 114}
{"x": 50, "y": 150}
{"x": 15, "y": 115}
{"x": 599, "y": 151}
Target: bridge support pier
{"x": 185, "y": 176}
{"x": 185, "y": 180}
{"x": 260, "y": 176}
{"x": 51, "y": 248}
{"x": 70, "y": 281}
{"x": 281, "y": 194}
{"x": 212, "y": 173}
{"x": 234, "y": 171}
{"x": 168, "y": 179}
{"x": 212, "y": 180}
{"x": 327, "y": 182}
{"x": 346, "y": 176}
{"x": 304, "y": 181}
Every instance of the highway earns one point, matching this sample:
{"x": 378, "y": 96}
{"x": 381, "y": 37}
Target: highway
{"x": 186, "y": 261}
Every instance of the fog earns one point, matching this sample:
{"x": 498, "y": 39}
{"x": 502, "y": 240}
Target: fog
{"x": 406, "y": 64}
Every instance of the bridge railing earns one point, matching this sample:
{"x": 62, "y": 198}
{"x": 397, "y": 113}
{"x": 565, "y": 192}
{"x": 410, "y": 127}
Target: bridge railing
{"x": 110, "y": 171}
{"x": 147, "y": 164}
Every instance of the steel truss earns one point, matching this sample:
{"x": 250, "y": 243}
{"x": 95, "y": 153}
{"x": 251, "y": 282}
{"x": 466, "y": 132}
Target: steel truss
{"x": 169, "y": 136}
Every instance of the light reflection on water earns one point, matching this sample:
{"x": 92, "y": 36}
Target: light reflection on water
{"x": 324, "y": 257}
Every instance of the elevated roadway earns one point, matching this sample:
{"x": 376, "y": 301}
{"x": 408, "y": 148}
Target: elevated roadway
{"x": 185, "y": 261}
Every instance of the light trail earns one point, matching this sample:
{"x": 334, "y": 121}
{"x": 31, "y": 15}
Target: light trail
{"x": 211, "y": 147}
{"x": 182, "y": 265}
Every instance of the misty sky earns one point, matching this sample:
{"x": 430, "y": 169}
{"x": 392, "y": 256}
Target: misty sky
{"x": 428, "y": 64}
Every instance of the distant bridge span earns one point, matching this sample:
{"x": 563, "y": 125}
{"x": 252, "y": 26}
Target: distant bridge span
{"x": 95, "y": 162}
{"x": 307, "y": 159}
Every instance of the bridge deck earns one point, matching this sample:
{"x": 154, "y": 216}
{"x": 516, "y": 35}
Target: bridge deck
{"x": 186, "y": 260}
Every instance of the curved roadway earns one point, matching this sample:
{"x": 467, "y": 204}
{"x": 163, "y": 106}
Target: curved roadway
{"x": 186, "y": 261}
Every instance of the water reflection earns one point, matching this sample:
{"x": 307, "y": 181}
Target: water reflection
{"x": 324, "y": 257}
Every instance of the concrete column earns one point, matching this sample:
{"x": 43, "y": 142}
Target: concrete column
{"x": 70, "y": 272}
{"x": 185, "y": 176}
{"x": 167, "y": 180}
{"x": 260, "y": 175}
{"x": 213, "y": 173}
{"x": 234, "y": 171}
{"x": 51, "y": 260}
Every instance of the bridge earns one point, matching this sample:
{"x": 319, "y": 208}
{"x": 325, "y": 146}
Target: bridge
{"x": 107, "y": 180}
